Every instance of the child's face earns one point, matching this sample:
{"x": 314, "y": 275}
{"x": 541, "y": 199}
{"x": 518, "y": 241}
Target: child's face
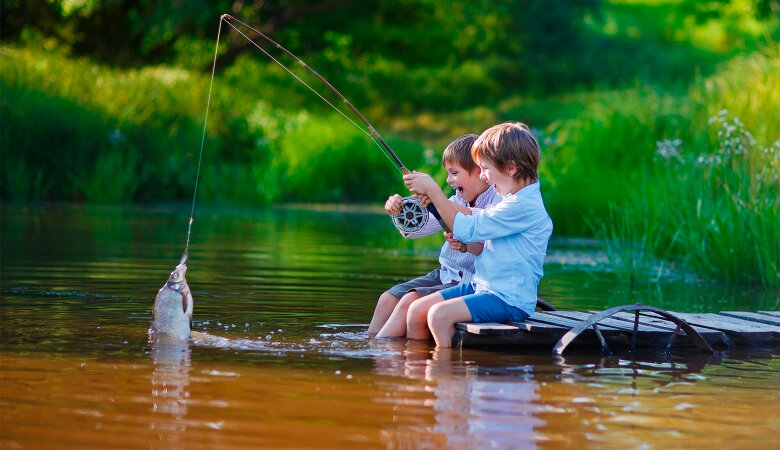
{"x": 468, "y": 185}
{"x": 502, "y": 182}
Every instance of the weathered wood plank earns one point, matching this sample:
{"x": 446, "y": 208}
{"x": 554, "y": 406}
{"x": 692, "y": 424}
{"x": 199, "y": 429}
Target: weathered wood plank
{"x": 612, "y": 330}
{"x": 647, "y": 333}
{"x": 488, "y": 328}
{"x": 652, "y": 320}
{"x": 492, "y": 328}
{"x": 557, "y": 320}
{"x": 540, "y": 327}
{"x": 770, "y": 313}
{"x": 753, "y": 317}
{"x": 463, "y": 338}
{"x": 737, "y": 329}
{"x": 616, "y": 323}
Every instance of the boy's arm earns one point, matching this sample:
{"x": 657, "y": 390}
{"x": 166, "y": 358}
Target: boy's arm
{"x": 475, "y": 248}
{"x": 423, "y": 184}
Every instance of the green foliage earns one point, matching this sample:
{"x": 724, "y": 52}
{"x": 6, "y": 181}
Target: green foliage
{"x": 716, "y": 213}
{"x": 329, "y": 160}
{"x": 728, "y": 208}
{"x": 632, "y": 237}
{"x": 107, "y": 135}
{"x": 600, "y": 81}
{"x": 595, "y": 159}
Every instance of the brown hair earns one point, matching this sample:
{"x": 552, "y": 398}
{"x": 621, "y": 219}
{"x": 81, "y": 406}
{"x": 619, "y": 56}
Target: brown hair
{"x": 459, "y": 152}
{"x": 509, "y": 144}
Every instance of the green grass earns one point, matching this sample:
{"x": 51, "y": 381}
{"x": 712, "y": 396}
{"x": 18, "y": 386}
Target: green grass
{"x": 716, "y": 212}
{"x": 104, "y": 135}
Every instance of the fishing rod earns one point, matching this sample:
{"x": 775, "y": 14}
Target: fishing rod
{"x": 413, "y": 215}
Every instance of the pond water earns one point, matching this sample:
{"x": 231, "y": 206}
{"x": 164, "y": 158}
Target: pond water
{"x": 284, "y": 296}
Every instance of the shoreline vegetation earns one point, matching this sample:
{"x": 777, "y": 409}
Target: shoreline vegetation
{"x": 680, "y": 173}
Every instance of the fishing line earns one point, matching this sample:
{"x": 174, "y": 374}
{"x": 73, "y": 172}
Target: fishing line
{"x": 413, "y": 216}
{"x": 202, "y": 140}
{"x": 372, "y": 133}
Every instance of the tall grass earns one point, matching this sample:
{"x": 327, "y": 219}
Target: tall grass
{"x": 711, "y": 201}
{"x": 727, "y": 207}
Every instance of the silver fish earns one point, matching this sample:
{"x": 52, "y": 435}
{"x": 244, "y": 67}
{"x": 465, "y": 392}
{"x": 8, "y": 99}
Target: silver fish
{"x": 172, "y": 312}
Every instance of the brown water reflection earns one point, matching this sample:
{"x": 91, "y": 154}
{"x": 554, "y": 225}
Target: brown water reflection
{"x": 410, "y": 397}
{"x": 283, "y": 299}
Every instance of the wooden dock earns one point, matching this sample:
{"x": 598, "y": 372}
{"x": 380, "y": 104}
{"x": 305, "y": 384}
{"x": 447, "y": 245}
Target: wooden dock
{"x": 627, "y": 326}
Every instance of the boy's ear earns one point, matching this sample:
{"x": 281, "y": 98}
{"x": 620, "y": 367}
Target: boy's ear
{"x": 511, "y": 168}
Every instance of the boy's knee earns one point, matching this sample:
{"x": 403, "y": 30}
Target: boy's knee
{"x": 439, "y": 317}
{"x": 387, "y": 300}
{"x": 416, "y": 314}
{"x": 408, "y": 300}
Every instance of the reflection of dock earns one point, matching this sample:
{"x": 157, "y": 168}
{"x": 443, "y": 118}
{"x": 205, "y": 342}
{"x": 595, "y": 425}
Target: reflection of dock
{"x": 626, "y": 326}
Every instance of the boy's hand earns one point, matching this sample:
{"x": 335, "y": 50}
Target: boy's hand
{"x": 424, "y": 200}
{"x": 420, "y": 183}
{"x": 454, "y": 243}
{"x": 393, "y": 204}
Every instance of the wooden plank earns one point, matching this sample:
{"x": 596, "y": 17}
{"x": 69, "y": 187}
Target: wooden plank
{"x": 541, "y": 327}
{"x": 614, "y": 331}
{"x": 737, "y": 329}
{"x": 487, "y": 329}
{"x": 770, "y": 313}
{"x": 753, "y": 317}
{"x": 547, "y": 317}
{"x": 566, "y": 323}
{"x": 652, "y": 320}
{"x": 523, "y": 339}
{"x": 644, "y": 331}
{"x": 492, "y": 328}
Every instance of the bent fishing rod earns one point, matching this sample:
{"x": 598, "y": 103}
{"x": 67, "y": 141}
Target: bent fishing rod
{"x": 413, "y": 215}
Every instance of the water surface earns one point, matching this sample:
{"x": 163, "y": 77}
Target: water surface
{"x": 284, "y": 297}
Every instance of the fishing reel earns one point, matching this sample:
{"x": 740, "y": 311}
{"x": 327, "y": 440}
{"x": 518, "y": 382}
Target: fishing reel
{"x": 413, "y": 216}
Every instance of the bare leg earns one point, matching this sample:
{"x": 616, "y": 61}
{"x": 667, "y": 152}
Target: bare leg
{"x": 442, "y": 318}
{"x": 396, "y": 323}
{"x": 417, "y": 317}
{"x": 384, "y": 307}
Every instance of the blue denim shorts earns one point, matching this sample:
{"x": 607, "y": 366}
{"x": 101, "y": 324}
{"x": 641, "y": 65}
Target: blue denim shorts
{"x": 485, "y": 307}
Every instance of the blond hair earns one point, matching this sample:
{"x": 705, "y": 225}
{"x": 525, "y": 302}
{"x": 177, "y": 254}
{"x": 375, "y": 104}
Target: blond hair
{"x": 459, "y": 152}
{"x": 510, "y": 144}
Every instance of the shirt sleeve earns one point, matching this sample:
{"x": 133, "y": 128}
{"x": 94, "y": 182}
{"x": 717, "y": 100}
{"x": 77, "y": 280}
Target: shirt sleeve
{"x": 430, "y": 227}
{"x": 504, "y": 219}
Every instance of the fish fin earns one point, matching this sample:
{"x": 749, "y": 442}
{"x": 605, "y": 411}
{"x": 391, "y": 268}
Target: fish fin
{"x": 184, "y": 301}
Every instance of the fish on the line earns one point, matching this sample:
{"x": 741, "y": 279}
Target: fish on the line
{"x": 172, "y": 312}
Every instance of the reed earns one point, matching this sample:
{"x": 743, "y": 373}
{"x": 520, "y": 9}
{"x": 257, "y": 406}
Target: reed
{"x": 715, "y": 213}
{"x": 727, "y": 209}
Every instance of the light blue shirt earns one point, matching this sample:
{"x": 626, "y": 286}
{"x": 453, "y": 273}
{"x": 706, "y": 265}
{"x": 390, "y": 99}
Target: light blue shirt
{"x": 515, "y": 231}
